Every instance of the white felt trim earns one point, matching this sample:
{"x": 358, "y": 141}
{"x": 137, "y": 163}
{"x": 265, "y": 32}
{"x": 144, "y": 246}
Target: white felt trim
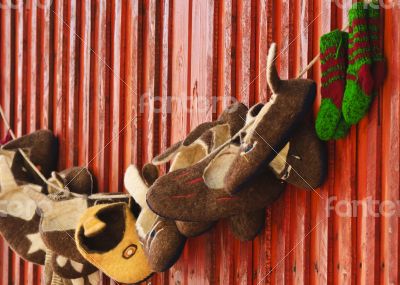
{"x": 189, "y": 155}
{"x": 278, "y": 164}
{"x": 76, "y": 265}
{"x": 61, "y": 260}
{"x": 94, "y": 278}
{"x": 62, "y": 215}
{"x": 7, "y": 180}
{"x": 259, "y": 117}
{"x": 215, "y": 172}
{"x": 135, "y": 185}
{"x": 37, "y": 243}
{"x": 221, "y": 133}
{"x": 145, "y": 222}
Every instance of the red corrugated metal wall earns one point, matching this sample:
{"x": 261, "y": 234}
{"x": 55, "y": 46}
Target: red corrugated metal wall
{"x": 81, "y": 67}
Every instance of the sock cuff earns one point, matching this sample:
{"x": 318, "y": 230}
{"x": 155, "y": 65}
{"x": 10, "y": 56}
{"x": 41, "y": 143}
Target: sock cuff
{"x": 358, "y": 10}
{"x": 335, "y": 38}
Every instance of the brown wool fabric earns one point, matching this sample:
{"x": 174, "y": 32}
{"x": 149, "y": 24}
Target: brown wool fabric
{"x": 184, "y": 195}
{"x": 307, "y": 160}
{"x": 163, "y": 245}
{"x": 42, "y": 148}
{"x": 248, "y": 225}
{"x": 194, "y": 229}
{"x": 273, "y": 126}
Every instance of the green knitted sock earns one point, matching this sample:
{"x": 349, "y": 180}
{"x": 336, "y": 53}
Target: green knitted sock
{"x": 333, "y": 47}
{"x": 359, "y": 86}
{"x": 342, "y": 129}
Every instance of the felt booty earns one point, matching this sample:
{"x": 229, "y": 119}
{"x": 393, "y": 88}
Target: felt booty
{"x": 106, "y": 236}
{"x": 303, "y": 162}
{"x": 162, "y": 242}
{"x": 360, "y": 83}
{"x": 196, "y": 193}
{"x": 19, "y": 218}
{"x": 272, "y": 127}
{"x": 42, "y": 149}
{"x": 333, "y": 48}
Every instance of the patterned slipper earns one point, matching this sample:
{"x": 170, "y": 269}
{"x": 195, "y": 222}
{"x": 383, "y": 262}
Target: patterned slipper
{"x": 272, "y": 127}
{"x": 161, "y": 240}
{"x": 197, "y": 193}
{"x": 19, "y": 219}
{"x": 303, "y": 162}
{"x": 106, "y": 236}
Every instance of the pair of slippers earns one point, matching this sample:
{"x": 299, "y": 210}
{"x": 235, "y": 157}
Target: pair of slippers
{"x": 278, "y": 145}
{"x": 27, "y": 208}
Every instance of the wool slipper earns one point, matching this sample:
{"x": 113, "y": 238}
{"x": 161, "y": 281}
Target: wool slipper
{"x": 303, "y": 162}
{"x": 272, "y": 127}
{"x": 42, "y": 149}
{"x": 19, "y": 218}
{"x": 196, "y": 193}
{"x": 161, "y": 239}
{"x": 248, "y": 225}
{"x": 138, "y": 185}
{"x": 106, "y": 236}
{"x": 60, "y": 215}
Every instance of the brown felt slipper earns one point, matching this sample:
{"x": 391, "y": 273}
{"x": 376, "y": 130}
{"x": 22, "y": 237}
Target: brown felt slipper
{"x": 161, "y": 240}
{"x": 42, "y": 149}
{"x": 19, "y": 218}
{"x": 197, "y": 193}
{"x": 198, "y": 144}
{"x": 273, "y": 126}
{"x": 106, "y": 236}
{"x": 303, "y": 162}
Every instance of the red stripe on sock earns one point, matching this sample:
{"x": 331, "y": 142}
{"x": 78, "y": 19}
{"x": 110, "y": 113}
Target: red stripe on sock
{"x": 333, "y": 50}
{"x": 359, "y": 56}
{"x": 359, "y": 45}
{"x": 360, "y": 21}
{"x": 333, "y": 62}
{"x": 325, "y": 79}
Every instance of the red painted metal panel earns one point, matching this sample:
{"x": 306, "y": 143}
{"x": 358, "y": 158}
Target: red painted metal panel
{"x": 85, "y": 68}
